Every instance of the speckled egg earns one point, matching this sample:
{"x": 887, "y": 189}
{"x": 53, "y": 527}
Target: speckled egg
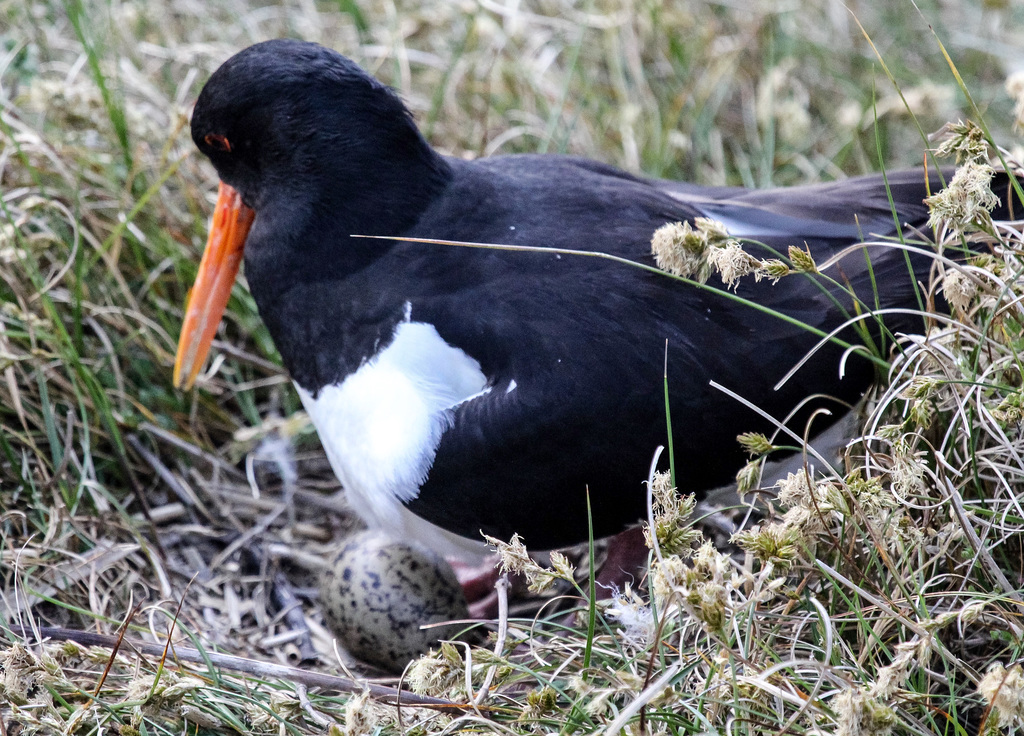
{"x": 378, "y": 592}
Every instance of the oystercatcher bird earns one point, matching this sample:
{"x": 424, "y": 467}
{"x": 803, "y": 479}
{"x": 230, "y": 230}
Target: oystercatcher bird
{"x": 461, "y": 390}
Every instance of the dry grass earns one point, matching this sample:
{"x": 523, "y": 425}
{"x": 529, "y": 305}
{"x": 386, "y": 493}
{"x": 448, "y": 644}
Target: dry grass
{"x": 883, "y": 613}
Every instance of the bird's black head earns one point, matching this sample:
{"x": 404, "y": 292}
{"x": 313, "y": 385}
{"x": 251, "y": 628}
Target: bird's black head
{"x": 294, "y": 124}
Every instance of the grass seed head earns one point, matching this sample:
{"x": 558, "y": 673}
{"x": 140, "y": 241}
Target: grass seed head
{"x": 873, "y": 499}
{"x": 776, "y": 544}
{"x": 681, "y": 250}
{"x": 774, "y": 269}
{"x": 965, "y": 141}
{"x": 715, "y": 233}
{"x": 907, "y": 474}
{"x": 539, "y": 703}
{"x": 703, "y": 589}
{"x": 19, "y": 669}
{"x": 794, "y": 489}
{"x": 1010, "y": 409}
{"x": 749, "y": 475}
{"x": 959, "y": 289}
{"x": 1003, "y": 689}
{"x": 360, "y": 717}
{"x": 755, "y": 443}
{"x": 512, "y": 555}
{"x": 673, "y": 527}
{"x": 733, "y": 263}
{"x": 859, "y": 714}
{"x": 514, "y": 558}
{"x": 894, "y": 675}
{"x": 437, "y": 672}
{"x": 966, "y": 204}
{"x": 802, "y": 260}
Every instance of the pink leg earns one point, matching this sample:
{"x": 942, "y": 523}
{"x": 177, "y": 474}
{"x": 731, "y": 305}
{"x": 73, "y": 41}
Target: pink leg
{"x": 626, "y": 561}
{"x": 478, "y": 586}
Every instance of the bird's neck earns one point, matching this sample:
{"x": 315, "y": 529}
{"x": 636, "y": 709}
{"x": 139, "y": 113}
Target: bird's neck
{"x": 309, "y": 228}
{"x": 395, "y": 177}
{"x": 301, "y": 259}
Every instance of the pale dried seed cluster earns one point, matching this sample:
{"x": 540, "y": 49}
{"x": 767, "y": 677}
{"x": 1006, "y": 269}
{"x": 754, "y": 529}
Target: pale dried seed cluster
{"x": 708, "y": 588}
{"x": 682, "y": 249}
{"x": 31, "y": 677}
{"x": 540, "y": 702}
{"x": 1003, "y": 689}
{"x": 695, "y": 251}
{"x": 361, "y": 715}
{"x": 962, "y": 141}
{"x": 439, "y": 672}
{"x": 959, "y": 289}
{"x": 967, "y": 203}
{"x": 634, "y": 615}
{"x": 513, "y": 558}
{"x": 815, "y": 511}
{"x": 673, "y": 532}
{"x": 860, "y": 714}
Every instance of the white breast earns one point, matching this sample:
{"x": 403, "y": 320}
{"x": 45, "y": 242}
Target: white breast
{"x": 382, "y": 425}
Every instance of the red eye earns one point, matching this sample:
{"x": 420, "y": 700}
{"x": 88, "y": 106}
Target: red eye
{"x": 218, "y": 143}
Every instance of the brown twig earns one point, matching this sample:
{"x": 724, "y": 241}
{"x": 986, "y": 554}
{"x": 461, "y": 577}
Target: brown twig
{"x": 118, "y": 640}
{"x": 291, "y": 609}
{"x": 172, "y": 439}
{"x": 244, "y": 355}
{"x": 160, "y": 469}
{"x": 383, "y": 693}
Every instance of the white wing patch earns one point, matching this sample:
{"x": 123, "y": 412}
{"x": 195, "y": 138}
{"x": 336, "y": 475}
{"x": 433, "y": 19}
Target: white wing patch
{"x": 381, "y": 426}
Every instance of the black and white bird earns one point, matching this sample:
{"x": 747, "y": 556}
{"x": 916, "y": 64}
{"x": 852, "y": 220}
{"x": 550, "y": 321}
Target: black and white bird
{"x": 459, "y": 391}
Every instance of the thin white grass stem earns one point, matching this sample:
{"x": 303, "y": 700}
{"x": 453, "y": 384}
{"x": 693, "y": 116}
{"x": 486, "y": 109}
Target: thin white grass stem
{"x": 75, "y": 241}
{"x": 724, "y": 293}
{"x": 1005, "y": 444}
{"x": 650, "y": 501}
{"x": 779, "y": 426}
{"x": 830, "y": 337}
{"x": 649, "y": 693}
{"x": 875, "y": 600}
{"x": 532, "y": 249}
{"x": 467, "y": 675}
{"x": 307, "y": 707}
{"x": 967, "y": 524}
{"x": 740, "y": 643}
{"x": 927, "y": 252}
{"x": 824, "y": 667}
{"x": 501, "y": 588}
{"x": 800, "y": 701}
{"x": 1007, "y": 488}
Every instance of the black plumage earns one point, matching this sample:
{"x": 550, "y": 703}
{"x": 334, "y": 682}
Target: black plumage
{"x": 321, "y": 152}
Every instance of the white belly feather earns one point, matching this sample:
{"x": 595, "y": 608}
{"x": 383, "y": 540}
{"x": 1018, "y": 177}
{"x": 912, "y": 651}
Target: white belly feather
{"x": 382, "y": 425}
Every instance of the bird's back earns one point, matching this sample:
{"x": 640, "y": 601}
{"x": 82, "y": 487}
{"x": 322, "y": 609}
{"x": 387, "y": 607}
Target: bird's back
{"x": 585, "y": 341}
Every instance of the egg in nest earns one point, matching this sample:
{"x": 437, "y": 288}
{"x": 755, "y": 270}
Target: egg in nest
{"x": 378, "y": 592}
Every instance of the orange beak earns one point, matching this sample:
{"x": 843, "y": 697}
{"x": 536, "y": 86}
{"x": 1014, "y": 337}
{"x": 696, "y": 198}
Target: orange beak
{"x": 209, "y": 295}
